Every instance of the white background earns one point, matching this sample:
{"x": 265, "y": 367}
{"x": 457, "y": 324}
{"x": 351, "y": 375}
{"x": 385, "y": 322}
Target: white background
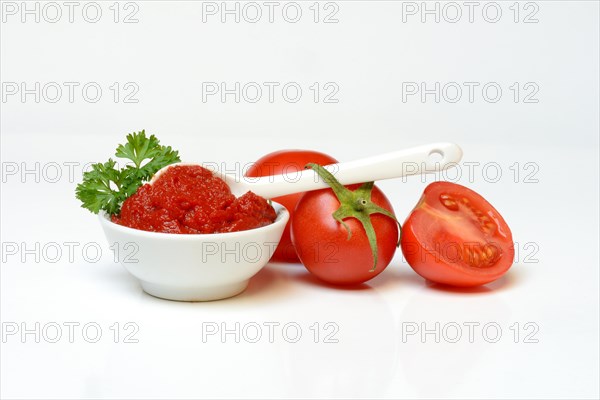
{"x": 551, "y": 205}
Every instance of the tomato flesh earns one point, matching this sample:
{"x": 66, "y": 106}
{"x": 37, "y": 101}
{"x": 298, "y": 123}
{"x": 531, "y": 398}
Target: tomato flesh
{"x": 189, "y": 199}
{"x": 454, "y": 236}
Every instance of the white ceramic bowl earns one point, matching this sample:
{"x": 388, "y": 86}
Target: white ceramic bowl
{"x": 195, "y": 267}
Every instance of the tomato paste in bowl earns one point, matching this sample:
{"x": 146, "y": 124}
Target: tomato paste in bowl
{"x": 189, "y": 199}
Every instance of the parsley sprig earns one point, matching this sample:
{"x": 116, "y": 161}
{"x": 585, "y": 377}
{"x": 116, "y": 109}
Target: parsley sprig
{"x": 105, "y": 187}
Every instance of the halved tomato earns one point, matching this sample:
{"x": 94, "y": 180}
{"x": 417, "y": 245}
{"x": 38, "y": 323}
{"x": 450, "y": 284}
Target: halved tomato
{"x": 455, "y": 237}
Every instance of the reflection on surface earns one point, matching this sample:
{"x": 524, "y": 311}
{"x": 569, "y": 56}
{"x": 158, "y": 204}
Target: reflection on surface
{"x": 362, "y": 363}
{"x": 441, "y": 336}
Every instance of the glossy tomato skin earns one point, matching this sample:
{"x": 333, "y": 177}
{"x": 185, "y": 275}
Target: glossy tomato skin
{"x": 455, "y": 237}
{"x": 322, "y": 245}
{"x": 289, "y": 162}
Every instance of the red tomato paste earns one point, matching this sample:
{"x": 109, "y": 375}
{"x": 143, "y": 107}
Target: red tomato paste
{"x": 190, "y": 199}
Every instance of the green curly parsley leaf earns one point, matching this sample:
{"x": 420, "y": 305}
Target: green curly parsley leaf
{"x": 105, "y": 187}
{"x": 101, "y": 188}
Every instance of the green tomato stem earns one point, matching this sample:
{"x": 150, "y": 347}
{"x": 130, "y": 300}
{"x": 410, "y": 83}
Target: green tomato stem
{"x": 355, "y": 204}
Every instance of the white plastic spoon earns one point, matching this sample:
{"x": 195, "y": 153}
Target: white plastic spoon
{"x": 414, "y": 161}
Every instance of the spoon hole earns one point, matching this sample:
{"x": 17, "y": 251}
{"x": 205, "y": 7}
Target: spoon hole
{"x": 436, "y": 156}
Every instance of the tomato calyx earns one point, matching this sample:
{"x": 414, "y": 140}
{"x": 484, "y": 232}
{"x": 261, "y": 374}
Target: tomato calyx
{"x": 355, "y": 204}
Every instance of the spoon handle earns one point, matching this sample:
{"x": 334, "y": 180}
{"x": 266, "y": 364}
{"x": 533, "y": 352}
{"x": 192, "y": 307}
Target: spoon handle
{"x": 414, "y": 161}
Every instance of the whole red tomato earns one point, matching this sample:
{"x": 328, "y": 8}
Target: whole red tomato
{"x": 455, "y": 237}
{"x": 287, "y": 162}
{"x": 347, "y": 235}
